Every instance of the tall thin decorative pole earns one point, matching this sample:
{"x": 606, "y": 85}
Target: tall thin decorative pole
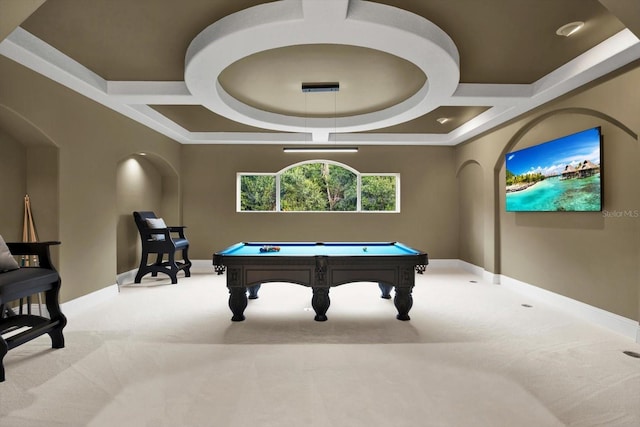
{"x": 29, "y": 235}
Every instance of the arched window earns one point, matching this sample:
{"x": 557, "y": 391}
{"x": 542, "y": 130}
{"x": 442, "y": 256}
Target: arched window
{"x": 318, "y": 186}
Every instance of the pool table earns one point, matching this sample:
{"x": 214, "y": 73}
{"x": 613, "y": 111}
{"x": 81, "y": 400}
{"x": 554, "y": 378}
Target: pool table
{"x": 320, "y": 266}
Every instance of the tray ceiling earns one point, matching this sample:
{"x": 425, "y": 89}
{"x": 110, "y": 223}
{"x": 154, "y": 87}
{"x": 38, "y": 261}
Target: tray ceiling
{"x": 206, "y": 71}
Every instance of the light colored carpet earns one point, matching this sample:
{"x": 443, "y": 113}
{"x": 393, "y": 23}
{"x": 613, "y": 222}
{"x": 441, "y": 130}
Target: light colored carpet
{"x": 168, "y": 355}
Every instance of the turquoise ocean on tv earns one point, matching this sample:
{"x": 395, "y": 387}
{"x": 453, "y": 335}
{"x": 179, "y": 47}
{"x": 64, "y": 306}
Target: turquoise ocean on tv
{"x": 554, "y": 194}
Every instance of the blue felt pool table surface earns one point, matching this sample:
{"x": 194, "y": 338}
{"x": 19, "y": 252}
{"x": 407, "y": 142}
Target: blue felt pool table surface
{"x": 319, "y": 249}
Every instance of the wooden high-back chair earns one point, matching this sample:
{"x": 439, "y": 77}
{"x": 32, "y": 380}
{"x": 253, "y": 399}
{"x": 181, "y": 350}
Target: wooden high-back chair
{"x": 163, "y": 241}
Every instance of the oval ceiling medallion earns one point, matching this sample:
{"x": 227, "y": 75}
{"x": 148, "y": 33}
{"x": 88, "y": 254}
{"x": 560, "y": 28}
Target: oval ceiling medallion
{"x": 287, "y": 27}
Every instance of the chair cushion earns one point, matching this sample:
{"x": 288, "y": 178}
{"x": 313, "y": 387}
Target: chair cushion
{"x": 156, "y": 223}
{"x": 7, "y": 261}
{"x": 181, "y": 243}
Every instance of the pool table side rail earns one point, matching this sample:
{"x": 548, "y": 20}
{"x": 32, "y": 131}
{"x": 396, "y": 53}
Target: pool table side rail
{"x": 303, "y": 270}
{"x": 237, "y": 249}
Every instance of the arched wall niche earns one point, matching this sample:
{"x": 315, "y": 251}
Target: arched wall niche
{"x": 470, "y": 178}
{"x": 585, "y": 117}
{"x": 145, "y": 182}
{"x": 536, "y": 121}
{"x": 29, "y": 165}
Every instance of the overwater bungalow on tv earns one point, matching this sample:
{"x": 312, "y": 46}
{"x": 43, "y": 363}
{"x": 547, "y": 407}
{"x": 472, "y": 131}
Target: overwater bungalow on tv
{"x": 583, "y": 170}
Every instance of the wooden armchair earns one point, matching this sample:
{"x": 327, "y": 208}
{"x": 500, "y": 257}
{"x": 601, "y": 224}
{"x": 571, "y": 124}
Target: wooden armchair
{"x": 22, "y": 283}
{"x": 157, "y": 239}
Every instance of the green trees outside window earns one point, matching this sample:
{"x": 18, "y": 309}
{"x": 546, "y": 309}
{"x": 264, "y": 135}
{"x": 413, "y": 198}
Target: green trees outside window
{"x": 378, "y": 193}
{"x": 258, "y": 192}
{"x": 318, "y": 186}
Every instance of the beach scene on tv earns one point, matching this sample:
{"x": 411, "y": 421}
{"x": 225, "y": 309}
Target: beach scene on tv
{"x": 559, "y": 175}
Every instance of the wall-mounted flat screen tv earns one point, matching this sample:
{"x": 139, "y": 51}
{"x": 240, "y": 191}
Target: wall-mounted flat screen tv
{"x": 558, "y": 175}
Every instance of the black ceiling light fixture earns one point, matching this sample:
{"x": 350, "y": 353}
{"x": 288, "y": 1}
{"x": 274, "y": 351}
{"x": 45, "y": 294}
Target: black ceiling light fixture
{"x": 321, "y": 87}
{"x": 332, "y": 149}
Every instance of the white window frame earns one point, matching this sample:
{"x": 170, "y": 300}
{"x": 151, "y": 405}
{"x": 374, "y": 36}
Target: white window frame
{"x": 278, "y": 174}
{"x": 396, "y": 175}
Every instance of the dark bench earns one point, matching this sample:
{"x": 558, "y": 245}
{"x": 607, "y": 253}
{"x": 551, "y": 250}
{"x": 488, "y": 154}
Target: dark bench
{"x": 16, "y": 285}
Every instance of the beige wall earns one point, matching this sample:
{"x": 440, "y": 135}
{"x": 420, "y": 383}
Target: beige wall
{"x": 42, "y": 188}
{"x": 13, "y": 186}
{"x": 29, "y": 170}
{"x": 471, "y": 196}
{"x": 590, "y": 257}
{"x": 92, "y": 141}
{"x": 427, "y": 221}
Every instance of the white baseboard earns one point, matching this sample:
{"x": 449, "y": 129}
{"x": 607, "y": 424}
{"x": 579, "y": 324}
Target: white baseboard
{"x": 487, "y": 276}
{"x": 126, "y": 277}
{"x": 491, "y": 277}
{"x": 614, "y": 322}
{"x": 88, "y": 301}
{"x": 92, "y": 299}
{"x": 202, "y": 266}
{"x": 443, "y": 263}
{"x": 198, "y": 266}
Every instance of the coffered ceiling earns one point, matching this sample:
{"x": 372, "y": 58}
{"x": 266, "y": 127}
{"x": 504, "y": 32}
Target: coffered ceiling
{"x": 220, "y": 71}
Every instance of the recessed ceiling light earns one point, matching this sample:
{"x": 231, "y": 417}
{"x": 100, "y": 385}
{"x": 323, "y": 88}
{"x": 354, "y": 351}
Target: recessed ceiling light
{"x": 443, "y": 120}
{"x": 570, "y": 28}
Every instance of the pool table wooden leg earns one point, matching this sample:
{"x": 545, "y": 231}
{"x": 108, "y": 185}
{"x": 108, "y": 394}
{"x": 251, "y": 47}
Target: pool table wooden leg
{"x": 403, "y": 302}
{"x": 253, "y": 291}
{"x": 386, "y": 290}
{"x": 320, "y": 303}
{"x": 237, "y": 303}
